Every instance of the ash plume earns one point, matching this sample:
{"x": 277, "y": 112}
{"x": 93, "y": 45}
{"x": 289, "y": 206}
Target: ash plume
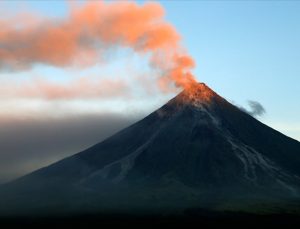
{"x": 89, "y": 31}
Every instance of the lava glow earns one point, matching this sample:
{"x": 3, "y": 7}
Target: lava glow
{"x": 196, "y": 92}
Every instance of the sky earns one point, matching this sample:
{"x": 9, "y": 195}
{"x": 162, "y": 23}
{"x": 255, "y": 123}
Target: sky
{"x": 244, "y": 50}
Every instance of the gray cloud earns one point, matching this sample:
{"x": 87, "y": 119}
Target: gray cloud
{"x": 256, "y": 109}
{"x": 26, "y": 145}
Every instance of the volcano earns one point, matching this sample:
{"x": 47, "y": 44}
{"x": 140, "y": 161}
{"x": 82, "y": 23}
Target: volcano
{"x": 196, "y": 151}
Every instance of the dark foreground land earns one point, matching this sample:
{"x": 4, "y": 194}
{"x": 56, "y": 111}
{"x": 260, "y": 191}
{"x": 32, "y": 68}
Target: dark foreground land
{"x": 191, "y": 219}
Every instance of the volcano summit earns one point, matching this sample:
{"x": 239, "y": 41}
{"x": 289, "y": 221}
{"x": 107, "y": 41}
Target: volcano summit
{"x": 197, "y": 151}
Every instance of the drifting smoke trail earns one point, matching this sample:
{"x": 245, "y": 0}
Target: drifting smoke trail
{"x": 89, "y": 30}
{"x": 256, "y": 109}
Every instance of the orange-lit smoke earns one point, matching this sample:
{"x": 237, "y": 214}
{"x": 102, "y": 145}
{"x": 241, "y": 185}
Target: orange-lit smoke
{"x": 84, "y": 87}
{"x": 83, "y": 37}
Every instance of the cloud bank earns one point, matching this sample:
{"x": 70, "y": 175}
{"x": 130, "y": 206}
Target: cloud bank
{"x": 30, "y": 143}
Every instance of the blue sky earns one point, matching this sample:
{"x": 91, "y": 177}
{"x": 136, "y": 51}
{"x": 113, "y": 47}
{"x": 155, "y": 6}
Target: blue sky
{"x": 244, "y": 50}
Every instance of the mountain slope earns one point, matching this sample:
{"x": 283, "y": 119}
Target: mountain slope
{"x": 198, "y": 150}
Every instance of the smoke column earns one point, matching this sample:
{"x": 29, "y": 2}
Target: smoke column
{"x": 82, "y": 38}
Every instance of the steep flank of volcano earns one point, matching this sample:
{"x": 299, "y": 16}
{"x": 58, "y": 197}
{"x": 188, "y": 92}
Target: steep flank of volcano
{"x": 198, "y": 150}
